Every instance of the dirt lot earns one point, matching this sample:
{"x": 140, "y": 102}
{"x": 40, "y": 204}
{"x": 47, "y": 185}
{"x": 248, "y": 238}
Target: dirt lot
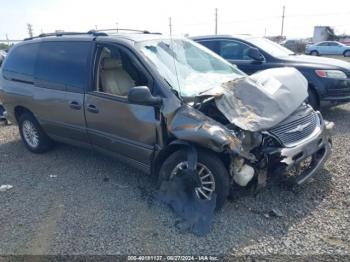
{"x": 347, "y": 59}
{"x": 72, "y": 201}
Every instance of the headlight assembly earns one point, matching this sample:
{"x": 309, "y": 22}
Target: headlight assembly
{"x": 336, "y": 74}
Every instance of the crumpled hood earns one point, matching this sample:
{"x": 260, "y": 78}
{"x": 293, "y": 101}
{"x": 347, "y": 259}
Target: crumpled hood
{"x": 262, "y": 100}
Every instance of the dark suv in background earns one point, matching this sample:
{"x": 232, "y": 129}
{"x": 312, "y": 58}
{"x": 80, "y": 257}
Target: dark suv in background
{"x": 165, "y": 105}
{"x": 329, "y": 79}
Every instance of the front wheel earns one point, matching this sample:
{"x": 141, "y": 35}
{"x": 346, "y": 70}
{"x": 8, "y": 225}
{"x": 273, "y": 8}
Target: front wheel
{"x": 313, "y": 99}
{"x": 211, "y": 172}
{"x": 33, "y": 137}
{"x": 314, "y": 53}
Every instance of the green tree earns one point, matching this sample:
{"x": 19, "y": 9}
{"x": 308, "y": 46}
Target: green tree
{"x": 4, "y": 46}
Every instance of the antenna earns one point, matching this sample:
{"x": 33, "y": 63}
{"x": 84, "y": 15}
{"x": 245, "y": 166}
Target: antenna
{"x": 172, "y": 46}
{"x": 216, "y": 21}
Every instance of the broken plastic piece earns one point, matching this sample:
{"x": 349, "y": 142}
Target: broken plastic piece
{"x": 4, "y": 188}
{"x": 275, "y": 212}
{"x": 243, "y": 173}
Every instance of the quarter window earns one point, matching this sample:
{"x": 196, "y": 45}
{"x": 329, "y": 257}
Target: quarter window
{"x": 63, "y": 65}
{"x": 20, "y": 62}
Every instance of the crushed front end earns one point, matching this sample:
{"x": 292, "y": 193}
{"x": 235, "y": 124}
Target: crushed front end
{"x": 297, "y": 147}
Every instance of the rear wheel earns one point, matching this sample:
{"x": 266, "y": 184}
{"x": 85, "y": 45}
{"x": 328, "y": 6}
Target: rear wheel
{"x": 347, "y": 53}
{"x": 33, "y": 137}
{"x": 211, "y": 172}
{"x": 314, "y": 52}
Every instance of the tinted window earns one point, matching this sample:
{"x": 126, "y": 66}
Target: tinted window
{"x": 20, "y": 62}
{"x": 212, "y": 45}
{"x": 234, "y": 50}
{"x": 63, "y": 65}
{"x": 323, "y": 44}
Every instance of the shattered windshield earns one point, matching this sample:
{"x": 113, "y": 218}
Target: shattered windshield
{"x": 270, "y": 47}
{"x": 188, "y": 67}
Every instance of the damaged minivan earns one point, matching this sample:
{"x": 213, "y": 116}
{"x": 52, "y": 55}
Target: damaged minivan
{"x": 164, "y": 105}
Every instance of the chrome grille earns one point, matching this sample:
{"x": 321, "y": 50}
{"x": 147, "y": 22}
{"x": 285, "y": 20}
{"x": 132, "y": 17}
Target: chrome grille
{"x": 292, "y": 132}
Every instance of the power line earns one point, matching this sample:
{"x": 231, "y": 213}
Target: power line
{"x": 284, "y": 8}
{"x": 30, "y": 30}
{"x": 170, "y": 27}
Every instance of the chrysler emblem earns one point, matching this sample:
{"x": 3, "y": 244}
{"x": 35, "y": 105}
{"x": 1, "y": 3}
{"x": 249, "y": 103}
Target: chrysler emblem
{"x": 299, "y": 128}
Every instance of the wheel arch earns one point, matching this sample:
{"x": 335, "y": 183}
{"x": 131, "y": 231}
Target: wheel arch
{"x": 177, "y": 145}
{"x": 346, "y": 50}
{"x": 312, "y": 87}
{"x": 20, "y": 110}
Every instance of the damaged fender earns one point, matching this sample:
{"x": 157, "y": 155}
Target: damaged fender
{"x": 190, "y": 125}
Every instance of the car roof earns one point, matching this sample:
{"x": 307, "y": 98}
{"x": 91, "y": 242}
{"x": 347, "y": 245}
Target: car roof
{"x": 115, "y": 37}
{"x": 238, "y": 36}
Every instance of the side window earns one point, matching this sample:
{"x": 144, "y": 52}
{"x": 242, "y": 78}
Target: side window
{"x": 333, "y": 44}
{"x": 117, "y": 72}
{"x": 63, "y": 65}
{"x": 234, "y": 50}
{"x": 210, "y": 44}
{"x": 20, "y": 62}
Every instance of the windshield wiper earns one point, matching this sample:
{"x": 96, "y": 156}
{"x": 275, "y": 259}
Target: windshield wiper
{"x": 173, "y": 89}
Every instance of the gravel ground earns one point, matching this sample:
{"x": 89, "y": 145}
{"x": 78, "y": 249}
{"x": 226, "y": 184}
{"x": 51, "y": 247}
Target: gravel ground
{"x": 73, "y": 201}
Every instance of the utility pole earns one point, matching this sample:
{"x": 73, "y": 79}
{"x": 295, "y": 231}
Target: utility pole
{"x": 216, "y": 21}
{"x": 284, "y": 8}
{"x": 170, "y": 26}
{"x": 96, "y": 27}
{"x": 30, "y": 29}
{"x": 8, "y": 41}
{"x": 116, "y": 25}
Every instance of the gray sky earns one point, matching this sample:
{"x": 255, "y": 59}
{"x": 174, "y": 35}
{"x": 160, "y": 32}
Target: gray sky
{"x": 188, "y": 16}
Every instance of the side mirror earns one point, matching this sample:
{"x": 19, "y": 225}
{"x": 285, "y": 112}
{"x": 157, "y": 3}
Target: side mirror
{"x": 141, "y": 95}
{"x": 255, "y": 54}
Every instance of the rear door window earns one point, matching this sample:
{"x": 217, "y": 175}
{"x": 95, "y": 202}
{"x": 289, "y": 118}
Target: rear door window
{"x": 20, "y": 63}
{"x": 63, "y": 65}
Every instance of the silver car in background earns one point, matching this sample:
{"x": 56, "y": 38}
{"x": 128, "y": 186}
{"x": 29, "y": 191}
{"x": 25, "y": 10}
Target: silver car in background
{"x": 328, "y": 48}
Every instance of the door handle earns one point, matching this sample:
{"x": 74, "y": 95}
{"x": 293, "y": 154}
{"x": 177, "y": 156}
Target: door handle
{"x": 92, "y": 109}
{"x": 75, "y": 105}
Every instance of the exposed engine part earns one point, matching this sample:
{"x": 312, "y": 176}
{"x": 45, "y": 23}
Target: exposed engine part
{"x": 241, "y": 172}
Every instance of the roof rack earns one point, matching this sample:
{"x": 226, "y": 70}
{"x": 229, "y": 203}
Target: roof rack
{"x": 122, "y": 29}
{"x": 100, "y": 32}
{"x": 67, "y": 33}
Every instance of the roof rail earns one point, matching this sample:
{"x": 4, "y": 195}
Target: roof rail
{"x": 100, "y": 32}
{"x": 67, "y": 33}
{"x": 121, "y": 29}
